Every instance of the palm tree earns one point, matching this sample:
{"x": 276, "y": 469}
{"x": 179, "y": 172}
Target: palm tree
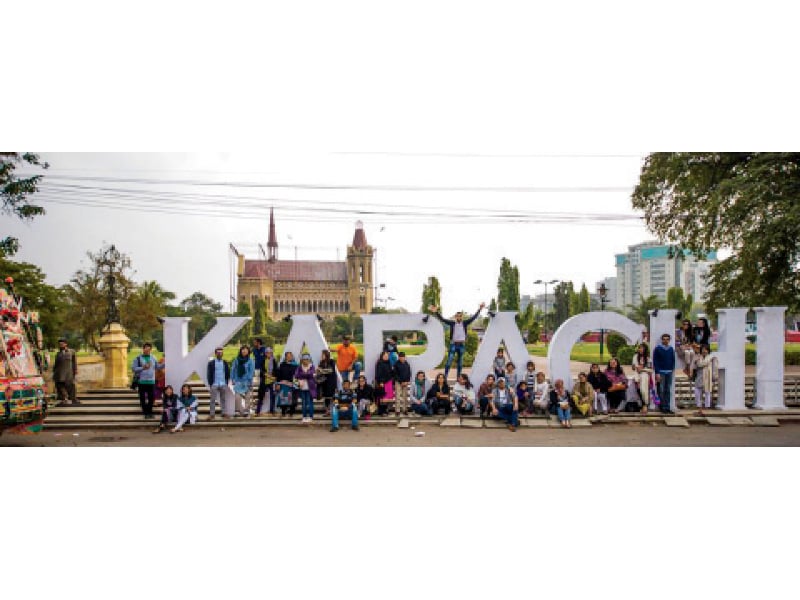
{"x": 641, "y": 312}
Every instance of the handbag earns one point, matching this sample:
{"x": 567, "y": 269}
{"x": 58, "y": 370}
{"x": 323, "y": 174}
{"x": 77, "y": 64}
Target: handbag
{"x": 135, "y": 378}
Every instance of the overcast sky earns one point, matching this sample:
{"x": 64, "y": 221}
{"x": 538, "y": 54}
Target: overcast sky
{"x": 447, "y": 94}
{"x": 186, "y": 252}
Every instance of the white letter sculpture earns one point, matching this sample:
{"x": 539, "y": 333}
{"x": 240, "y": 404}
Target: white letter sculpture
{"x": 306, "y": 331}
{"x": 502, "y": 330}
{"x": 571, "y": 331}
{"x": 182, "y": 364}
{"x": 769, "y": 357}
{"x": 376, "y": 325}
{"x": 732, "y": 338}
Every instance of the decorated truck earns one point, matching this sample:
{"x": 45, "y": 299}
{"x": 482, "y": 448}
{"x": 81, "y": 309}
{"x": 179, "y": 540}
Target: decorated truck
{"x": 23, "y": 398}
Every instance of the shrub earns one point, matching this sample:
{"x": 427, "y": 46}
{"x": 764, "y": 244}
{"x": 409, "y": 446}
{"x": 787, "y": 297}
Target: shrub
{"x": 614, "y": 343}
{"x": 625, "y": 355}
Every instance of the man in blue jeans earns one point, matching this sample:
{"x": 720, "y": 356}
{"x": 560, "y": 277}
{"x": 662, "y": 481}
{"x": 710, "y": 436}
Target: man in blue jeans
{"x": 458, "y": 336}
{"x": 344, "y": 406}
{"x": 664, "y": 367}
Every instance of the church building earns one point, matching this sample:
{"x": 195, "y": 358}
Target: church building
{"x": 326, "y": 288}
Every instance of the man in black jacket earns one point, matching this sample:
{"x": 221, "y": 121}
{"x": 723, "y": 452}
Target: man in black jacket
{"x": 402, "y": 377}
{"x": 458, "y": 336}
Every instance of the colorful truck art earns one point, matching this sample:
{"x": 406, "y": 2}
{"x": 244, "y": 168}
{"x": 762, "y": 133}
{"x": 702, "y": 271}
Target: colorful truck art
{"x": 23, "y": 399}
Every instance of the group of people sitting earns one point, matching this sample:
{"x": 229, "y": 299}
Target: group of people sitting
{"x": 504, "y": 394}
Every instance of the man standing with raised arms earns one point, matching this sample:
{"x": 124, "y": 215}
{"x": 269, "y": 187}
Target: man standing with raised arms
{"x": 458, "y": 336}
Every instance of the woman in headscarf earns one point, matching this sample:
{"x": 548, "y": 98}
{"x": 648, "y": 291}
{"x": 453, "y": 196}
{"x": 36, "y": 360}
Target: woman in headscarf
{"x": 285, "y": 388}
{"x": 187, "y": 403}
{"x": 326, "y": 380}
{"x": 307, "y": 386}
{"x": 417, "y": 395}
{"x": 583, "y": 395}
{"x": 266, "y": 386}
{"x": 243, "y": 369}
{"x": 384, "y": 383}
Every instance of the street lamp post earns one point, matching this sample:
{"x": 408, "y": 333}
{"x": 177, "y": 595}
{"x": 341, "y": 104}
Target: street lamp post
{"x": 603, "y": 291}
{"x": 546, "y": 283}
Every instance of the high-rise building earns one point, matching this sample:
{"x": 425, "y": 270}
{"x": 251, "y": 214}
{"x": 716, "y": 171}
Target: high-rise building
{"x": 648, "y": 269}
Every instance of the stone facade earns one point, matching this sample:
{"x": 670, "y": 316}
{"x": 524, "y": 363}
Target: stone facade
{"x": 327, "y": 288}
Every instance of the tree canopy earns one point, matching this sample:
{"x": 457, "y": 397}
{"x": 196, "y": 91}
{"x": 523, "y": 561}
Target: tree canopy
{"x": 743, "y": 201}
{"x": 15, "y": 192}
{"x": 508, "y": 286}
{"x": 431, "y": 294}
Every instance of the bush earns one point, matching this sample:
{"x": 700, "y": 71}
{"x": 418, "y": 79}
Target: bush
{"x": 625, "y": 355}
{"x": 614, "y": 343}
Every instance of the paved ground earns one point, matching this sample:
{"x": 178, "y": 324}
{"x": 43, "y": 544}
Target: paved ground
{"x": 598, "y": 435}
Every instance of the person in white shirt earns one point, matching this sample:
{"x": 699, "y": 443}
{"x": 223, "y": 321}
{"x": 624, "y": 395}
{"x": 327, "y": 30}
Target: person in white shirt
{"x": 464, "y": 395}
{"x": 541, "y": 394}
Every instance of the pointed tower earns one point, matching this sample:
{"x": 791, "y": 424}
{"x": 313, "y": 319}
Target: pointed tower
{"x": 361, "y": 288}
{"x": 272, "y": 244}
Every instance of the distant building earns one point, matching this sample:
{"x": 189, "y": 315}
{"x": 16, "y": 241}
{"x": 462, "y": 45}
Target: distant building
{"x": 327, "y": 288}
{"x": 647, "y": 269}
{"x": 611, "y": 292}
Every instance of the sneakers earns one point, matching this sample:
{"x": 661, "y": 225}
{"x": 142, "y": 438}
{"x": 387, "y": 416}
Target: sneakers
{"x": 334, "y": 429}
{"x": 511, "y": 428}
{"x": 354, "y": 427}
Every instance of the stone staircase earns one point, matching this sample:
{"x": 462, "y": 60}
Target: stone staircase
{"x": 120, "y": 408}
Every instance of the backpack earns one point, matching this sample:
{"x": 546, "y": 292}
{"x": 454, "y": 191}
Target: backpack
{"x": 135, "y": 378}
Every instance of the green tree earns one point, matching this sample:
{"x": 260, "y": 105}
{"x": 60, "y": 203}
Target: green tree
{"x": 86, "y": 295}
{"x": 37, "y": 295}
{"x": 143, "y": 307}
{"x": 431, "y": 294}
{"x": 203, "y": 311}
{"x": 508, "y": 286}
{"x": 562, "y": 294}
{"x": 243, "y": 310}
{"x": 641, "y": 312}
{"x": 15, "y": 193}
{"x": 584, "y": 304}
{"x": 743, "y": 201}
{"x": 259, "y": 317}
{"x": 676, "y": 300}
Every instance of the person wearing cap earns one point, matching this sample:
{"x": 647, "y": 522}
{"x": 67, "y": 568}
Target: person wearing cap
{"x": 65, "y": 371}
{"x": 458, "y": 336}
{"x": 346, "y": 355}
{"x": 505, "y": 405}
{"x": 243, "y": 370}
{"x": 218, "y": 376}
{"x": 307, "y": 386}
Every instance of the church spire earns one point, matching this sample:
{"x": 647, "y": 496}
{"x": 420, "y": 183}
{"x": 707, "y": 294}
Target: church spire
{"x": 272, "y": 244}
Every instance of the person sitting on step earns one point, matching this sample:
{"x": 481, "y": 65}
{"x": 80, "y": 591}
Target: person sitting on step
{"x": 486, "y": 395}
{"x": 439, "y": 395}
{"x": 169, "y": 408}
{"x": 188, "y": 408}
{"x": 418, "y": 395}
{"x": 344, "y": 406}
{"x": 505, "y": 405}
{"x": 464, "y": 395}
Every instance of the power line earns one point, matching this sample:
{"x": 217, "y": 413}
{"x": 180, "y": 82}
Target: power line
{"x": 355, "y": 187}
{"x": 157, "y": 206}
